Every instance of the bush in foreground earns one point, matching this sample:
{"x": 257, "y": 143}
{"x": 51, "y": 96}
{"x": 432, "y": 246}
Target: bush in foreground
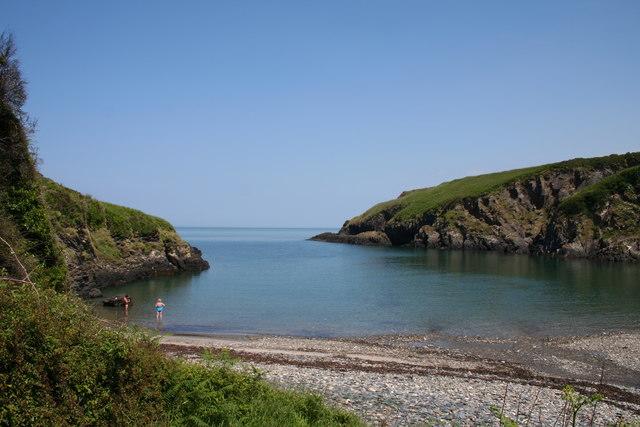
{"x": 59, "y": 365}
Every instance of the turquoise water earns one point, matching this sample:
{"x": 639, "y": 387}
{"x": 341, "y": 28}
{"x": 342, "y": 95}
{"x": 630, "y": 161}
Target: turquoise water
{"x": 275, "y": 281}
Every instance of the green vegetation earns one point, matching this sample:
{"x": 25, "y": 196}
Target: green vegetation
{"x": 105, "y": 245}
{"x": 568, "y": 416}
{"x": 115, "y": 231}
{"x": 576, "y": 401}
{"x": 22, "y": 214}
{"x": 588, "y": 200}
{"x": 219, "y": 395}
{"x": 68, "y": 208}
{"x": 59, "y": 365}
{"x": 503, "y": 420}
{"x": 416, "y": 203}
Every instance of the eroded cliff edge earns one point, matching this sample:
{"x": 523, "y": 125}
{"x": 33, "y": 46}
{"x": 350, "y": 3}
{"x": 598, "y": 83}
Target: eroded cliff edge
{"x": 105, "y": 245}
{"x": 579, "y": 208}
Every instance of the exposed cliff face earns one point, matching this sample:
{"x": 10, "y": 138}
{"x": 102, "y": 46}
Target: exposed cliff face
{"x": 91, "y": 268}
{"x": 531, "y": 214}
{"x": 105, "y": 245}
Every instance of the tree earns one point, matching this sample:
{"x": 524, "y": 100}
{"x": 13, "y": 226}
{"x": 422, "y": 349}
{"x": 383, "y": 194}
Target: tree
{"x": 13, "y": 93}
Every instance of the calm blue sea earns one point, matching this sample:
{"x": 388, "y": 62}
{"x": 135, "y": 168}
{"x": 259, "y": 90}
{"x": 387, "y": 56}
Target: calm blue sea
{"x": 274, "y": 281}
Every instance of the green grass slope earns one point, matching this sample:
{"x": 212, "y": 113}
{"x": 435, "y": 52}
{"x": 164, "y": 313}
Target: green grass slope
{"x": 588, "y": 200}
{"x": 113, "y": 230}
{"x": 68, "y": 208}
{"x": 416, "y": 203}
{"x": 106, "y": 223}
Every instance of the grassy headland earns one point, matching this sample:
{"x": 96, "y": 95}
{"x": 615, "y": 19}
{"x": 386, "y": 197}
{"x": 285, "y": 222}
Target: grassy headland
{"x": 584, "y": 207}
{"x": 111, "y": 228}
{"x": 68, "y": 208}
{"x": 415, "y": 203}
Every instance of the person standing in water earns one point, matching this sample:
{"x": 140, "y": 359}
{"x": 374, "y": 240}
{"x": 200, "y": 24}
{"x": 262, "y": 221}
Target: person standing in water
{"x": 159, "y": 309}
{"x": 126, "y": 300}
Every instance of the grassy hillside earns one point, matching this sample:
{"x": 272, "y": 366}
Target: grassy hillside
{"x": 588, "y": 200}
{"x": 68, "y": 208}
{"x": 415, "y": 203}
{"x": 110, "y": 227}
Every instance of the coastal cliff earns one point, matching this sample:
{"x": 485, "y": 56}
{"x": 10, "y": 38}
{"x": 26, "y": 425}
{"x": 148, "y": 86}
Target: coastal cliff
{"x": 68, "y": 240}
{"x": 105, "y": 244}
{"x": 586, "y": 208}
{"x": 71, "y": 241}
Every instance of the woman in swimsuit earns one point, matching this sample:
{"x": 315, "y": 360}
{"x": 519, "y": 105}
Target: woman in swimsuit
{"x": 159, "y": 309}
{"x": 126, "y": 301}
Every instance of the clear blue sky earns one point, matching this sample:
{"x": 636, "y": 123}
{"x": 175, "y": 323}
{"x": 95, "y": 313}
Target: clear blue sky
{"x": 304, "y": 113}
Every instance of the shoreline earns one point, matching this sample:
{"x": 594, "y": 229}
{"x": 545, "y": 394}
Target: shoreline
{"x": 439, "y": 378}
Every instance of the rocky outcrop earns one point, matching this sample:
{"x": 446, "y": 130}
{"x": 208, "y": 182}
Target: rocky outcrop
{"x": 366, "y": 238}
{"x": 107, "y": 245}
{"x": 524, "y": 216}
{"x": 92, "y": 267}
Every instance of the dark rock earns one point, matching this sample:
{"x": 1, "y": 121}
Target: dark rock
{"x": 141, "y": 259}
{"x": 366, "y": 238}
{"x": 94, "y": 293}
{"x": 116, "y": 301}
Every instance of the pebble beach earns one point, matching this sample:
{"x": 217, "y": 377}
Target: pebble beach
{"x": 440, "y": 380}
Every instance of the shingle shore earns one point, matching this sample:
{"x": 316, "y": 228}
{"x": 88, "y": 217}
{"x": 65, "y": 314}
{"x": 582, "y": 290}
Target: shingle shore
{"x": 408, "y": 380}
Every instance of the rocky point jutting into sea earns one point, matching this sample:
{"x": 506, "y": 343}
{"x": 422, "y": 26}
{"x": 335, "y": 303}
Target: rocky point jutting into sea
{"x": 105, "y": 244}
{"x": 588, "y": 208}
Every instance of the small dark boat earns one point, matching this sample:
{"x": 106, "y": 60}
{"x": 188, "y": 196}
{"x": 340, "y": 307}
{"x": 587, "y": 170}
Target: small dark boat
{"x": 116, "y": 301}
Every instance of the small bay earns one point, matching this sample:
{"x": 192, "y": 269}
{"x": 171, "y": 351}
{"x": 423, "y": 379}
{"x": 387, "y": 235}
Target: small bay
{"x": 274, "y": 281}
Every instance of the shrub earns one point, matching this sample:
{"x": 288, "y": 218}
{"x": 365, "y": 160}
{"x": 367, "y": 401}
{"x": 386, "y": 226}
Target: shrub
{"x": 59, "y": 365}
{"x": 626, "y": 182}
{"x": 22, "y": 212}
{"x": 216, "y": 394}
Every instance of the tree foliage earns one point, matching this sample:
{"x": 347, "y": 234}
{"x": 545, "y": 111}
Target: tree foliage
{"x": 22, "y": 212}
{"x": 13, "y": 92}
